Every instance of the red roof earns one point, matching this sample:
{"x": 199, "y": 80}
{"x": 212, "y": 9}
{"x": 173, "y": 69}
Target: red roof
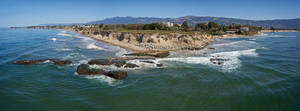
{"x": 233, "y": 30}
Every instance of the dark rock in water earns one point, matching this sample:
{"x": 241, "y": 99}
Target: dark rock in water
{"x": 192, "y": 48}
{"x": 212, "y": 48}
{"x": 162, "y": 54}
{"x": 116, "y": 74}
{"x": 100, "y": 62}
{"x": 62, "y": 62}
{"x": 32, "y": 62}
{"x": 84, "y": 69}
{"x": 159, "y": 65}
{"x": 150, "y": 53}
{"x": 150, "y": 62}
{"x": 218, "y": 60}
{"x": 130, "y": 65}
{"x": 138, "y": 54}
{"x": 119, "y": 63}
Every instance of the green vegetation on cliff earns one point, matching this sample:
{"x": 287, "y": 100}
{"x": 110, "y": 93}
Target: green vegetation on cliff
{"x": 167, "y": 28}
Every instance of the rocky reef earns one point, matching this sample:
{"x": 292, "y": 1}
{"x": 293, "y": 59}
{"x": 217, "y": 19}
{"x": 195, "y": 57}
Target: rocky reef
{"x": 131, "y": 61}
{"x": 85, "y": 69}
{"x": 33, "y": 62}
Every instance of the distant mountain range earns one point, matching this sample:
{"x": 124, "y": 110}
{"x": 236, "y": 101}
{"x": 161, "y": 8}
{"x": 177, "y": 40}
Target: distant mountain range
{"x": 192, "y": 20}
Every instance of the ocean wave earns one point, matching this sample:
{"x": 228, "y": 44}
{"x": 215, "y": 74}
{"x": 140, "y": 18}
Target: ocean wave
{"x": 121, "y": 52}
{"x": 77, "y": 63}
{"x": 105, "y": 79}
{"x": 53, "y": 39}
{"x": 281, "y": 36}
{"x": 264, "y": 34}
{"x": 234, "y": 43}
{"x": 228, "y": 66}
{"x": 94, "y": 46}
{"x": 46, "y": 61}
{"x": 70, "y": 34}
{"x": 65, "y": 34}
{"x": 144, "y": 64}
{"x": 64, "y": 49}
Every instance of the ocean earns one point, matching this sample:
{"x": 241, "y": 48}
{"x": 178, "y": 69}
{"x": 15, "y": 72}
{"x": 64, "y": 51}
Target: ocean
{"x": 261, "y": 74}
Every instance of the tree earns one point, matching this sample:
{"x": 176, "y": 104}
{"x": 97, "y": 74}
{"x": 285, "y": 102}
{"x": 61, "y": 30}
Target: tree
{"x": 212, "y": 25}
{"x": 201, "y": 26}
{"x": 100, "y": 25}
{"x": 147, "y": 27}
{"x": 156, "y": 26}
{"x": 185, "y": 26}
{"x": 272, "y": 28}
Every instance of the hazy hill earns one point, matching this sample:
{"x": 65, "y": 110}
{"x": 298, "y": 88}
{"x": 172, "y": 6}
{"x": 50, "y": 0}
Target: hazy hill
{"x": 279, "y": 23}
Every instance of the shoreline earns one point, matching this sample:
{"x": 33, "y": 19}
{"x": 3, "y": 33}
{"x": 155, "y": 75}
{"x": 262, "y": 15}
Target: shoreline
{"x": 124, "y": 47}
{"x": 280, "y": 31}
{"x": 136, "y": 49}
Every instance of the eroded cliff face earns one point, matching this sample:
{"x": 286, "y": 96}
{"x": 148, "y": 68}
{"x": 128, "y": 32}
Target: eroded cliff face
{"x": 155, "y": 41}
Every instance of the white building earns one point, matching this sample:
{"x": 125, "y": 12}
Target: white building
{"x": 169, "y": 24}
{"x": 244, "y": 29}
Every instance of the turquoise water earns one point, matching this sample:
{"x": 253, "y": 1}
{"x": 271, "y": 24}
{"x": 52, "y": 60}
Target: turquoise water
{"x": 262, "y": 74}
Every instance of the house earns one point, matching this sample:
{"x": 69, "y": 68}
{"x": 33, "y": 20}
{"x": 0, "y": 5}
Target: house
{"x": 169, "y": 24}
{"x": 244, "y": 29}
{"x": 232, "y": 30}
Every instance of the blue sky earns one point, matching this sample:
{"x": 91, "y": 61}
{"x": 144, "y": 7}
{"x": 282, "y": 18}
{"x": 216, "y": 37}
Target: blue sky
{"x": 33, "y": 12}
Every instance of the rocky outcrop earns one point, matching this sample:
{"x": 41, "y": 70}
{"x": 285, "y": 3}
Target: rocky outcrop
{"x": 84, "y": 69}
{"x": 130, "y": 65}
{"x": 29, "y": 62}
{"x": 159, "y": 65}
{"x": 218, "y": 60}
{"x": 34, "y": 62}
{"x": 100, "y": 62}
{"x": 119, "y": 63}
{"x": 62, "y": 62}
{"x": 160, "y": 54}
{"x": 116, "y": 74}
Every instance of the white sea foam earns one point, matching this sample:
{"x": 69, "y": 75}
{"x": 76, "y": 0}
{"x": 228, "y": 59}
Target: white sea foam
{"x": 281, "y": 36}
{"x": 264, "y": 34}
{"x": 65, "y": 49}
{"x": 83, "y": 61}
{"x": 70, "y": 34}
{"x": 74, "y": 63}
{"x": 234, "y": 43}
{"x": 53, "y": 39}
{"x": 144, "y": 64}
{"x": 233, "y": 56}
{"x": 65, "y": 34}
{"x": 105, "y": 79}
{"x": 46, "y": 61}
{"x": 121, "y": 52}
{"x": 94, "y": 46}
{"x": 140, "y": 63}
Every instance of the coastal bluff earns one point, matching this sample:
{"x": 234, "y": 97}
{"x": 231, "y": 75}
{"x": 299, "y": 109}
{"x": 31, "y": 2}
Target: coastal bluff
{"x": 151, "y": 41}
